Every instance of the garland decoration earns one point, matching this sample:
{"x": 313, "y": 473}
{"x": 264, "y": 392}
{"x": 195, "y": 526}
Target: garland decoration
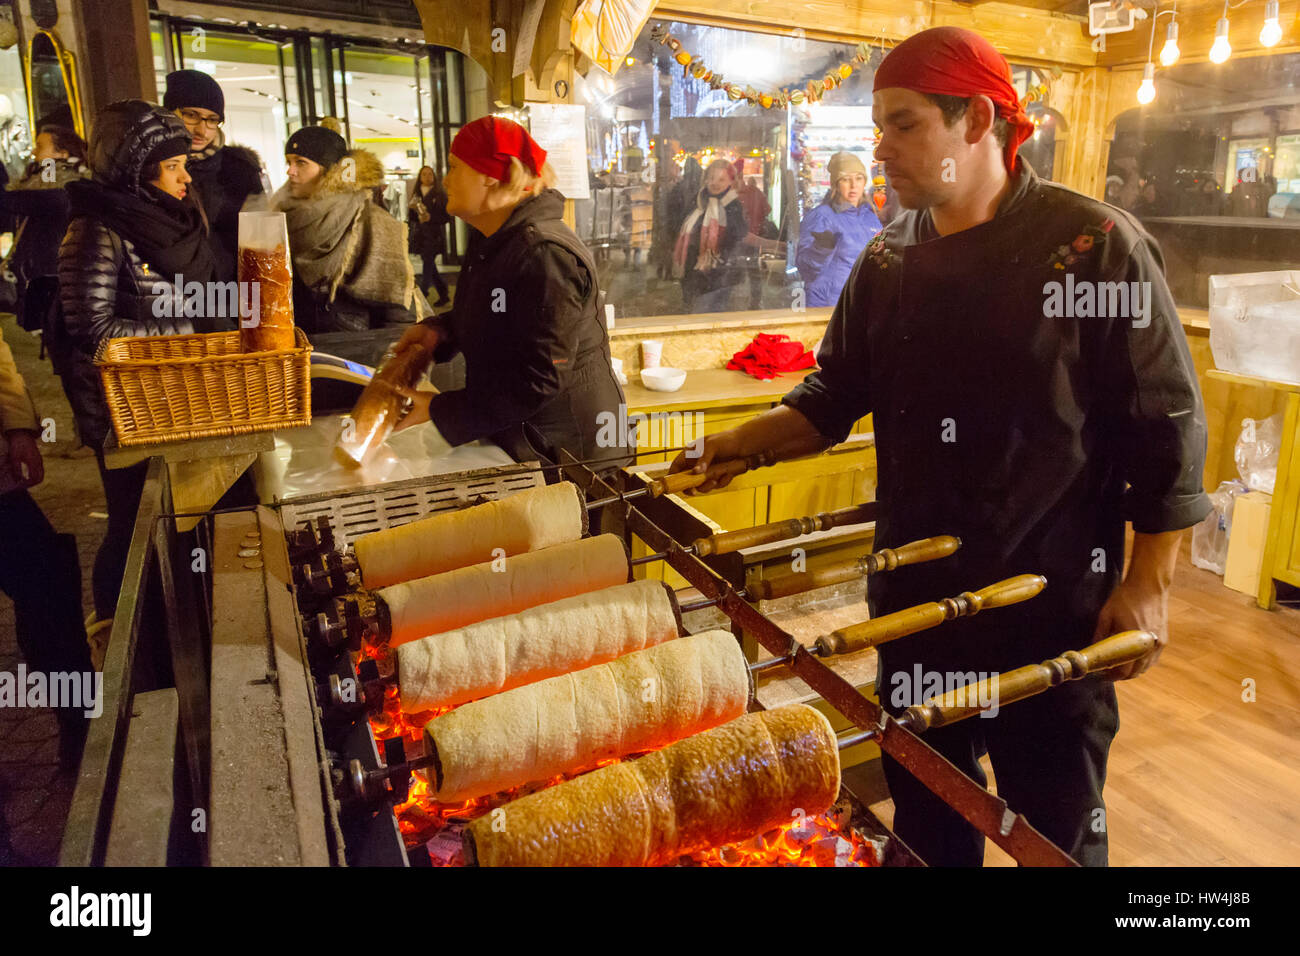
{"x": 815, "y": 90}
{"x": 812, "y": 93}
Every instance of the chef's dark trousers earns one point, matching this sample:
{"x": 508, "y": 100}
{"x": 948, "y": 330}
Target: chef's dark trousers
{"x": 122, "y": 490}
{"x": 41, "y": 573}
{"x": 1049, "y": 758}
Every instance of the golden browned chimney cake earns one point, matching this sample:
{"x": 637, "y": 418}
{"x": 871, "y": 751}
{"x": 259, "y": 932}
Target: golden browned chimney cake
{"x": 717, "y": 787}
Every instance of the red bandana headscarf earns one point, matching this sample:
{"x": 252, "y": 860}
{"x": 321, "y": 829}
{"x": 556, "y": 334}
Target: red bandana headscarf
{"x": 488, "y": 143}
{"x": 951, "y": 61}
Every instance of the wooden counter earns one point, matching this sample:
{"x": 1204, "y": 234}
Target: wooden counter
{"x": 711, "y": 388}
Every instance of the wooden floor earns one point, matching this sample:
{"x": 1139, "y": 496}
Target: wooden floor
{"x": 1198, "y": 776}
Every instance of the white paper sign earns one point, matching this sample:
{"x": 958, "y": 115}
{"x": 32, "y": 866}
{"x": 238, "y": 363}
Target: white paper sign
{"x": 561, "y": 130}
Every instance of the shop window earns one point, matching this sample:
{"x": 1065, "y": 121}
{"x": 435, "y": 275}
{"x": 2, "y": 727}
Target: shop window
{"x": 1214, "y": 172}
{"x": 384, "y": 112}
{"x": 15, "y": 128}
{"x": 654, "y": 132}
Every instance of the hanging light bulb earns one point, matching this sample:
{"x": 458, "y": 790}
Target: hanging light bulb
{"x": 1271, "y": 32}
{"x": 1221, "y": 49}
{"x": 1169, "y": 52}
{"x": 1147, "y": 91}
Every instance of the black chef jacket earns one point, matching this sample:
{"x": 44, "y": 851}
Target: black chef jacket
{"x": 1029, "y": 432}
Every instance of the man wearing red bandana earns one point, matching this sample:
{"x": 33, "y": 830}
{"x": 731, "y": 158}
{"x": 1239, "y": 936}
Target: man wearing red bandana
{"x": 1031, "y": 392}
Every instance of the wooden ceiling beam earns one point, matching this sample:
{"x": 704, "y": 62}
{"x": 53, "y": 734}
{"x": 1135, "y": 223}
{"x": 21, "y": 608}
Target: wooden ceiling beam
{"x": 1023, "y": 34}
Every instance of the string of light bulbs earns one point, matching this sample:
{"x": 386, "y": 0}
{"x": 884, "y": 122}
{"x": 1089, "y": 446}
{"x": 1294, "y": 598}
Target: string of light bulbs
{"x": 1269, "y": 35}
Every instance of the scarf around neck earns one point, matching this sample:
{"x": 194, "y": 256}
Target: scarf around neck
{"x": 710, "y": 209}
{"x": 207, "y": 152}
{"x": 342, "y": 240}
{"x": 170, "y": 235}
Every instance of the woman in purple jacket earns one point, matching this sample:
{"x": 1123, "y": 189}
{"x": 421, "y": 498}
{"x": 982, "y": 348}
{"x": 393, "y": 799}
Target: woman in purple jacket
{"x": 834, "y": 233}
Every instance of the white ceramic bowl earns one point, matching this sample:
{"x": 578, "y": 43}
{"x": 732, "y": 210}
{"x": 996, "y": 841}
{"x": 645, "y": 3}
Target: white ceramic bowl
{"x": 663, "y": 379}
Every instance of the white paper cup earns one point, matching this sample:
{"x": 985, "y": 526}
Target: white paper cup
{"x": 652, "y": 352}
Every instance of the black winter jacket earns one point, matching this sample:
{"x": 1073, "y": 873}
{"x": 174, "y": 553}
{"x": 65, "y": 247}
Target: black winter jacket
{"x": 41, "y": 213}
{"x": 527, "y": 318}
{"x": 223, "y": 182}
{"x": 428, "y": 238}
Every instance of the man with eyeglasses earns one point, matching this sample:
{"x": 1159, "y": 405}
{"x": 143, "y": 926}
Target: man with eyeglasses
{"x": 224, "y": 176}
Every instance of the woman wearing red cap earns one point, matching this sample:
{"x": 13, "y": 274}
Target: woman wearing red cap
{"x": 1031, "y": 391}
{"x": 527, "y": 313}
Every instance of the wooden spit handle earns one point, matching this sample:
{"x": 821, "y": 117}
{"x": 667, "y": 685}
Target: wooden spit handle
{"x": 727, "y": 542}
{"x": 910, "y": 620}
{"x": 685, "y": 480}
{"x": 963, "y": 702}
{"x": 927, "y": 549}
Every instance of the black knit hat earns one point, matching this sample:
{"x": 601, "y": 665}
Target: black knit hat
{"x": 320, "y": 145}
{"x": 191, "y": 88}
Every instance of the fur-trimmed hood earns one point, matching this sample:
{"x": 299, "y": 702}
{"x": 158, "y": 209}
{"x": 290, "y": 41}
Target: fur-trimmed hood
{"x": 341, "y": 240}
{"x": 358, "y": 170}
{"x": 245, "y": 154}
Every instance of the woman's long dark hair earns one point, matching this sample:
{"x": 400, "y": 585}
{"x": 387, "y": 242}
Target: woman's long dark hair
{"x": 66, "y": 141}
{"x": 436, "y": 187}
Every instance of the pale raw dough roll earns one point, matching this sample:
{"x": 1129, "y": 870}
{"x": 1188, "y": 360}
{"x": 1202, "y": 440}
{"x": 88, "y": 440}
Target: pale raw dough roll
{"x": 544, "y": 641}
{"x": 443, "y": 602}
{"x": 638, "y": 702}
{"x": 717, "y": 787}
{"x": 525, "y": 521}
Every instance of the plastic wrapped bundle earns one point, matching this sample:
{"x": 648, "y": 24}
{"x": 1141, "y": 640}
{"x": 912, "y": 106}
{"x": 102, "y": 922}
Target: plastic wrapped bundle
{"x": 264, "y": 265}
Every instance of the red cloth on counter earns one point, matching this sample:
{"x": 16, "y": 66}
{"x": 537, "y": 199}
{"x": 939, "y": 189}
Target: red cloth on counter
{"x": 768, "y": 355}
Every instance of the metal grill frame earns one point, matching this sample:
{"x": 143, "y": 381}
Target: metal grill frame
{"x": 984, "y": 810}
{"x": 364, "y": 510}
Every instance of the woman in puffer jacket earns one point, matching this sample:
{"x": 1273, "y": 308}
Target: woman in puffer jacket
{"x": 834, "y": 233}
{"x": 135, "y": 233}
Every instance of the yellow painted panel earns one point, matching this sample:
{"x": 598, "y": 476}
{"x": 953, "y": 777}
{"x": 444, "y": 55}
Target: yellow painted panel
{"x": 730, "y": 510}
{"x": 794, "y": 499}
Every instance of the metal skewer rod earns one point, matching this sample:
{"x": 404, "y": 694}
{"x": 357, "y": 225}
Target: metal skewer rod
{"x": 686, "y": 480}
{"x": 855, "y": 738}
{"x": 728, "y": 542}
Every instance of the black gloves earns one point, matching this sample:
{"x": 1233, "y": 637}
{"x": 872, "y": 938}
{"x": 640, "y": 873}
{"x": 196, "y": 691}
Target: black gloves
{"x": 825, "y": 240}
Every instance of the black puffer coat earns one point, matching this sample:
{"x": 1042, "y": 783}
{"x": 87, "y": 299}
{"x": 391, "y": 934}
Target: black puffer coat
{"x": 537, "y": 365}
{"x": 106, "y": 289}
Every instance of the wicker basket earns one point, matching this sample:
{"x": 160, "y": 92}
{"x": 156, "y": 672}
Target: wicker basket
{"x": 173, "y": 387}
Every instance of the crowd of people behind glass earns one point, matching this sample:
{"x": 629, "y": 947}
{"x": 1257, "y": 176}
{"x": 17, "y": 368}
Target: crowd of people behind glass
{"x": 704, "y": 237}
{"x": 1190, "y": 194}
